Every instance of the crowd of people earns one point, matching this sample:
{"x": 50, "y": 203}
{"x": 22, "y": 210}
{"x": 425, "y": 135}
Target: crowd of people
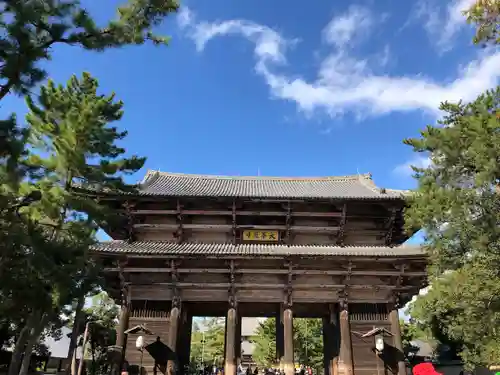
{"x": 241, "y": 370}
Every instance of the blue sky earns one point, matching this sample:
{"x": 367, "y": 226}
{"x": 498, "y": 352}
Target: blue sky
{"x": 280, "y": 88}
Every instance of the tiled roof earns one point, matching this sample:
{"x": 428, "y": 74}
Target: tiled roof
{"x": 347, "y": 187}
{"x": 228, "y": 249}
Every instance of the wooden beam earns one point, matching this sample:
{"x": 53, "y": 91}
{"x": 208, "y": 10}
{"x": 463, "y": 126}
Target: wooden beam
{"x": 276, "y": 286}
{"x": 239, "y": 212}
{"x": 256, "y": 271}
{"x": 229, "y": 227}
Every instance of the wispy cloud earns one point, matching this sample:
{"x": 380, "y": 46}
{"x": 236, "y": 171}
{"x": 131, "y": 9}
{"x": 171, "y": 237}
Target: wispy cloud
{"x": 345, "y": 82}
{"x": 418, "y": 161}
{"x": 343, "y": 30}
{"x": 442, "y": 25}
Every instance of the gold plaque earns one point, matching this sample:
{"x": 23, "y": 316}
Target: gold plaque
{"x": 261, "y": 235}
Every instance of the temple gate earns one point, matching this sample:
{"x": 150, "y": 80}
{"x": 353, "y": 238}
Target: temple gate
{"x": 196, "y": 245}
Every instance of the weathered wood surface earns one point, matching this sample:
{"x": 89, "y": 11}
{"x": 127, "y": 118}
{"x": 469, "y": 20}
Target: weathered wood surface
{"x": 300, "y": 222}
{"x": 160, "y": 328}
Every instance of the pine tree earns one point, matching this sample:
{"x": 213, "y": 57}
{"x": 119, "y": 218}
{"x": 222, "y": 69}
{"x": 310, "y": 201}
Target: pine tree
{"x": 486, "y": 15}
{"x": 71, "y": 141}
{"x": 307, "y": 341}
{"x": 458, "y": 205}
{"x": 31, "y": 28}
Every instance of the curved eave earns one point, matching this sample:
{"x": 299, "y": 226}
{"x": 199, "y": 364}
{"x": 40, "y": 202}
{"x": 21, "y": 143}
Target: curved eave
{"x": 165, "y": 249}
{"x": 149, "y": 197}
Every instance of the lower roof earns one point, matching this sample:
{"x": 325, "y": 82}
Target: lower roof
{"x": 228, "y": 249}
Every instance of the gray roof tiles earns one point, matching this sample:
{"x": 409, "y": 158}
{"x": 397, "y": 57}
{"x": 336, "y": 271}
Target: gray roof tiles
{"x": 347, "y": 187}
{"x": 228, "y": 249}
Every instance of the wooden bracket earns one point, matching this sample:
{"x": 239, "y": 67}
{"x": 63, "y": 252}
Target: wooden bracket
{"x": 174, "y": 274}
{"x": 179, "y": 233}
{"x": 232, "y": 285}
{"x": 390, "y": 230}
{"x": 343, "y": 221}
{"x": 348, "y": 275}
{"x": 129, "y": 206}
{"x": 395, "y": 301}
{"x": 343, "y": 300}
{"x": 288, "y": 300}
{"x": 288, "y": 223}
{"x": 234, "y": 222}
{"x": 124, "y": 285}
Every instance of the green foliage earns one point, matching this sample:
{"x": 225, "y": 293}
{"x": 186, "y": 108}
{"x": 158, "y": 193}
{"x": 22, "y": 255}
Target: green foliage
{"x": 103, "y": 317}
{"x": 308, "y": 343}
{"x": 264, "y": 353}
{"x": 457, "y": 203}
{"x": 31, "y": 28}
{"x": 409, "y": 332}
{"x": 46, "y": 263}
{"x": 207, "y": 342}
{"x": 486, "y": 15}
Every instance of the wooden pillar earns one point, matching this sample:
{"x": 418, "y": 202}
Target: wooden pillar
{"x": 118, "y": 356}
{"x": 184, "y": 342}
{"x": 288, "y": 364}
{"x": 173, "y": 330}
{"x": 280, "y": 343}
{"x": 230, "y": 355}
{"x": 397, "y": 340}
{"x": 327, "y": 346}
{"x": 237, "y": 340}
{"x": 121, "y": 338}
{"x": 331, "y": 341}
{"x": 346, "y": 364}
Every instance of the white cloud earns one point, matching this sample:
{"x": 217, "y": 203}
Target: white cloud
{"x": 184, "y": 17}
{"x": 341, "y": 30}
{"x": 418, "y": 161}
{"x": 344, "y": 82}
{"x": 443, "y": 25}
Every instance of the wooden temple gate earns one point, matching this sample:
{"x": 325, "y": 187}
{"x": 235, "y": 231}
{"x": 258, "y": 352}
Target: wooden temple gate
{"x": 210, "y": 246}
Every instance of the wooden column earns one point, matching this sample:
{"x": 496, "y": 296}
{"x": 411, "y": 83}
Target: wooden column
{"x": 230, "y": 355}
{"x": 184, "y": 342}
{"x": 280, "y": 343}
{"x": 396, "y": 331}
{"x": 121, "y": 338}
{"x": 237, "y": 340}
{"x": 118, "y": 356}
{"x": 331, "y": 342}
{"x": 288, "y": 364}
{"x": 173, "y": 330}
{"x": 346, "y": 365}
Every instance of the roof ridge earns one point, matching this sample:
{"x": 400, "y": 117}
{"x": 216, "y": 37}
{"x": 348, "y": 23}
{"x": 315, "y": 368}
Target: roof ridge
{"x": 227, "y": 177}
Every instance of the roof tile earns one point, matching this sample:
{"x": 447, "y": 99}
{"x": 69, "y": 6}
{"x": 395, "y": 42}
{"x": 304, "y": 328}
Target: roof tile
{"x": 347, "y": 187}
{"x": 226, "y": 249}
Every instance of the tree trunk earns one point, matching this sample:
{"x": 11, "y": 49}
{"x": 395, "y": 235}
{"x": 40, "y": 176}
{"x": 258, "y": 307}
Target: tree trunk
{"x": 71, "y": 361}
{"x": 92, "y": 346}
{"x": 24, "y": 335}
{"x": 36, "y": 331}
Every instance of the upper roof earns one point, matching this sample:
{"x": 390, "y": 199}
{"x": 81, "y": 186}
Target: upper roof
{"x": 158, "y": 183}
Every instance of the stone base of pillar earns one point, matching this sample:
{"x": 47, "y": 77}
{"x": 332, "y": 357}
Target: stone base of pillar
{"x": 343, "y": 369}
{"x": 289, "y": 369}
